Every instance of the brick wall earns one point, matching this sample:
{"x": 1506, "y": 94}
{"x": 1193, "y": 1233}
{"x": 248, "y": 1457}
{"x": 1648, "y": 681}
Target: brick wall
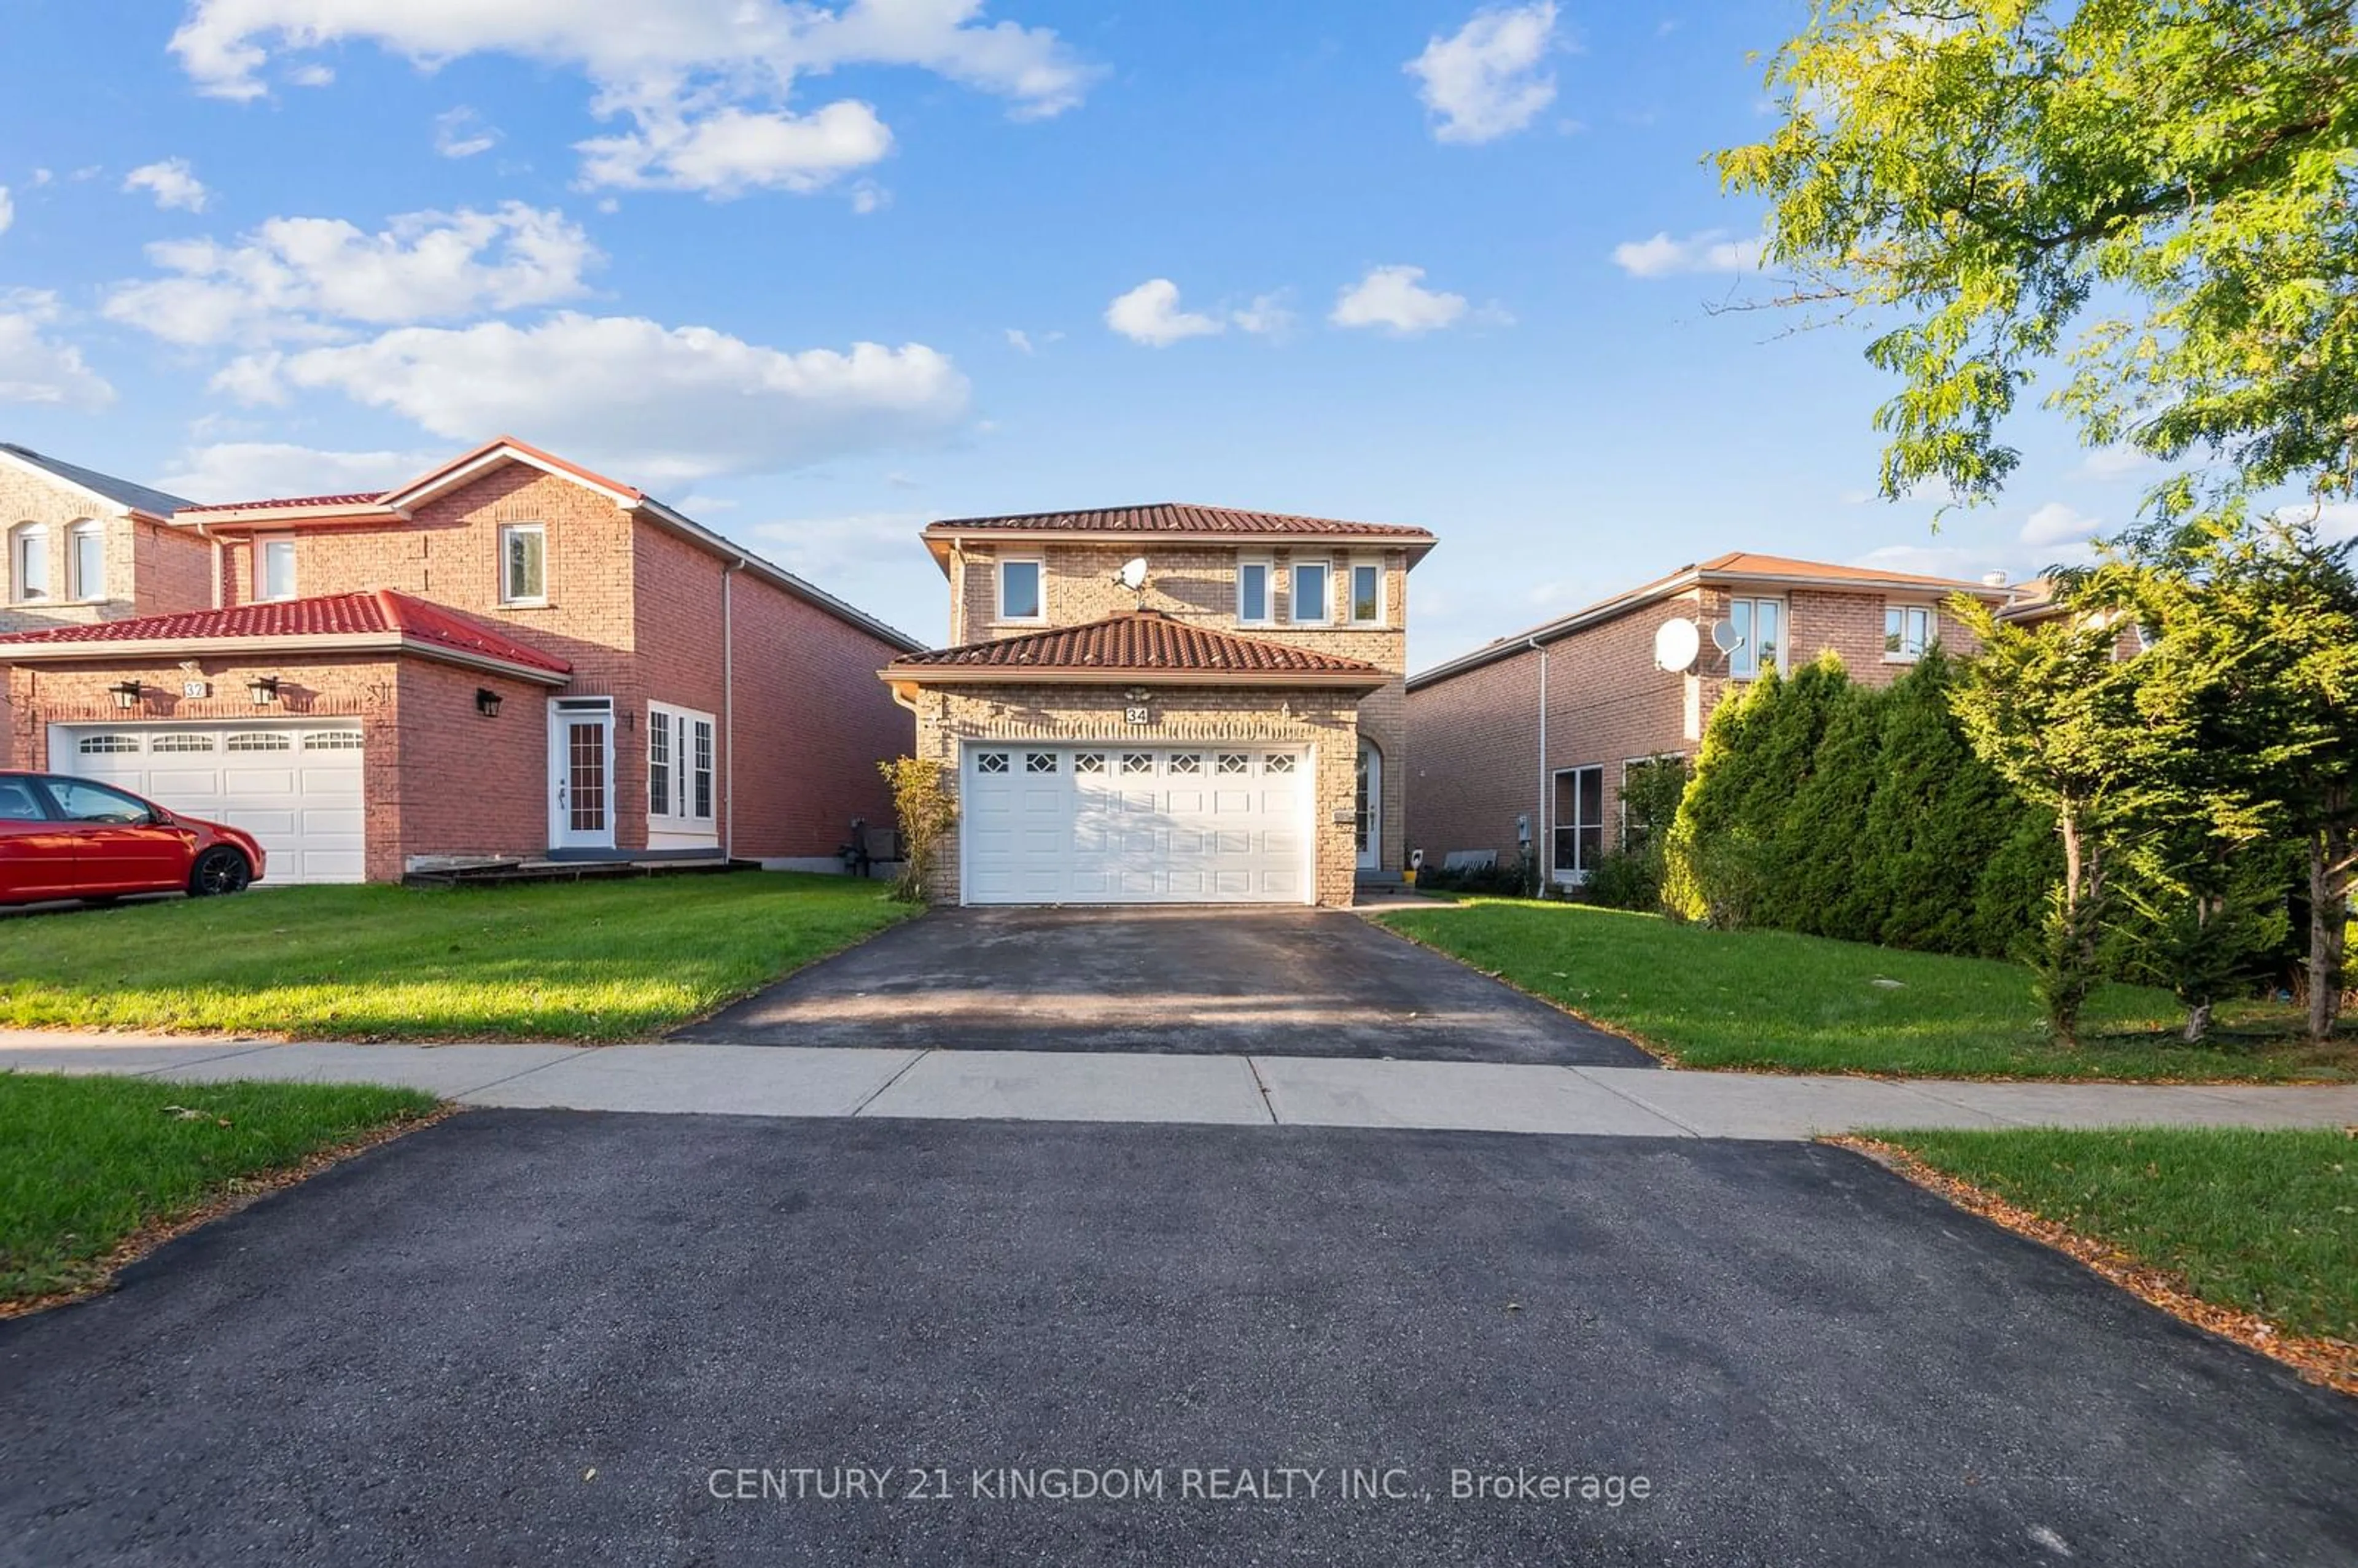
{"x": 1474, "y": 742}
{"x": 1198, "y": 583}
{"x": 444, "y": 780}
{"x": 1325, "y": 721}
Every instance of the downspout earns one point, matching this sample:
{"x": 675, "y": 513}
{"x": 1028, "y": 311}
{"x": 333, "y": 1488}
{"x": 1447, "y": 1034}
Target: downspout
{"x": 728, "y": 706}
{"x": 1544, "y": 843}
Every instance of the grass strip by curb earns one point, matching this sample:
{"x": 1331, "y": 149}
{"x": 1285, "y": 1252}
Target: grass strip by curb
{"x": 2331, "y": 1363}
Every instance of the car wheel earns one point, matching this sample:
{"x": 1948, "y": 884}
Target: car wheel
{"x": 219, "y": 870}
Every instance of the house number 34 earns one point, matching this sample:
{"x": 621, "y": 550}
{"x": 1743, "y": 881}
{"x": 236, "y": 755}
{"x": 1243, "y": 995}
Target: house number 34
{"x": 1138, "y": 715}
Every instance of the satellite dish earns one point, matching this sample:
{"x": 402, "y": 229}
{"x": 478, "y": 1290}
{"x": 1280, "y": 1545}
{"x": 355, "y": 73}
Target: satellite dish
{"x": 1725, "y": 636}
{"x": 1676, "y": 643}
{"x": 1133, "y": 575}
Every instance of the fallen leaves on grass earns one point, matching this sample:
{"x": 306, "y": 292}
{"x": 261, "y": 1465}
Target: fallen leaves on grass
{"x": 2329, "y": 1362}
{"x": 235, "y": 1193}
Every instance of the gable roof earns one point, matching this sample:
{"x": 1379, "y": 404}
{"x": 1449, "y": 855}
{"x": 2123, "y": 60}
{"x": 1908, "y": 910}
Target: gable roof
{"x": 1736, "y": 566}
{"x": 157, "y": 506}
{"x": 381, "y": 620}
{"x": 1173, "y": 519}
{"x": 1134, "y": 644}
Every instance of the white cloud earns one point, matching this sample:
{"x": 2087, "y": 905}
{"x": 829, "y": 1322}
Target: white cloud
{"x": 241, "y": 470}
{"x": 868, "y": 197}
{"x": 1393, "y": 297}
{"x": 1150, "y": 314}
{"x": 1931, "y": 560}
{"x": 1485, "y": 80}
{"x": 669, "y": 403}
{"x": 304, "y": 277}
{"x": 2058, "y": 523}
{"x": 312, "y": 75}
{"x": 462, "y": 133}
{"x": 172, "y": 182}
{"x": 705, "y": 83}
{"x": 36, "y": 367}
{"x": 1267, "y": 316}
{"x": 2335, "y": 520}
{"x": 2120, "y": 461}
{"x": 732, "y": 151}
{"x": 7, "y": 210}
{"x": 1020, "y": 341}
{"x": 1710, "y": 251}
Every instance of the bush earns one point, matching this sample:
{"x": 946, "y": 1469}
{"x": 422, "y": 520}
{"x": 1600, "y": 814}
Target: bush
{"x": 1516, "y": 878}
{"x": 926, "y": 802}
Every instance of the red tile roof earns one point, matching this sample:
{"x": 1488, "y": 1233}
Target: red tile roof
{"x": 280, "y": 503}
{"x": 1174, "y": 517}
{"x": 1746, "y": 562}
{"x": 1143, "y": 642}
{"x": 382, "y": 612}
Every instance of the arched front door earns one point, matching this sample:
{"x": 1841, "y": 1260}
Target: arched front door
{"x": 1369, "y": 808}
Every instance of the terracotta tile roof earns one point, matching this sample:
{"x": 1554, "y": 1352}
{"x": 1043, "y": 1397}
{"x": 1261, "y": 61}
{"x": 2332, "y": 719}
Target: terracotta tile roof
{"x": 382, "y": 612}
{"x": 358, "y": 498}
{"x": 1745, "y": 563}
{"x": 1144, "y": 641}
{"x": 1174, "y": 517}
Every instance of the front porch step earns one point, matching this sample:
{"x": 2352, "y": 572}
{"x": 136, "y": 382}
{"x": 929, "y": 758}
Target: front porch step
{"x": 498, "y": 871}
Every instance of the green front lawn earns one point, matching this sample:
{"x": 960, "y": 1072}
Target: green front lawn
{"x": 551, "y": 961}
{"x": 87, "y": 1164}
{"x": 1777, "y": 1000}
{"x": 2266, "y": 1222}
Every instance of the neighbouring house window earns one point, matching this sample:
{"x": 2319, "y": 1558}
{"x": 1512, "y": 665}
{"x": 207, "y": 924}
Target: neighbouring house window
{"x": 87, "y": 560}
{"x": 524, "y": 563}
{"x": 1907, "y": 632}
{"x": 1579, "y": 821}
{"x": 1309, "y": 607}
{"x": 1252, "y": 592}
{"x": 29, "y": 561}
{"x": 1761, "y": 637}
{"x": 1367, "y": 595}
{"x": 1019, "y": 590}
{"x": 659, "y": 762}
{"x": 679, "y": 768}
{"x": 278, "y": 568}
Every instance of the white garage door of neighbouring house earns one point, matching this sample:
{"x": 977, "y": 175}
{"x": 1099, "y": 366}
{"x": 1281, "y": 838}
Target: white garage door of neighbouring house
{"x": 1050, "y": 824}
{"x": 295, "y": 787}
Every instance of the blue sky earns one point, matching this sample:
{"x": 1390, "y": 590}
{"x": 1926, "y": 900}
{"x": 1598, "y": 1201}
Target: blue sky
{"x": 1397, "y": 260}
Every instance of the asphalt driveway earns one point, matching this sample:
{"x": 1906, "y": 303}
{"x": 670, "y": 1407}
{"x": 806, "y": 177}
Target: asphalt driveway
{"x": 1231, "y": 981}
{"x": 539, "y": 1337}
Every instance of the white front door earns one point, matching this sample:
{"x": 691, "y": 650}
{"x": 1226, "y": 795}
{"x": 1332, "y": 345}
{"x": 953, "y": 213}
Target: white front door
{"x": 1135, "y": 823}
{"x": 1367, "y": 808}
{"x": 297, "y": 788}
{"x": 581, "y": 774}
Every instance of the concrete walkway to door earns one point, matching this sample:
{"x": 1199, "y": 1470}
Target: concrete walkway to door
{"x": 1239, "y": 980}
{"x": 1265, "y": 1091}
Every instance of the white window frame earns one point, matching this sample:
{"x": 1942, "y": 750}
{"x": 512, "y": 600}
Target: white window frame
{"x": 514, "y": 530}
{"x": 87, "y": 587}
{"x": 1350, "y": 605}
{"x": 1039, "y": 565}
{"x": 1575, "y": 874}
{"x": 1745, "y": 650}
{"x": 691, "y": 744}
{"x": 1293, "y": 571}
{"x": 264, "y": 548}
{"x": 20, "y": 587}
{"x": 1903, "y": 610}
{"x": 1268, "y": 569}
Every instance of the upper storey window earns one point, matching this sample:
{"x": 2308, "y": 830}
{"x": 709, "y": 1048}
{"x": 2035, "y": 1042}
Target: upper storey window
{"x": 278, "y": 568}
{"x": 1310, "y": 588}
{"x": 1020, "y": 595}
{"x": 28, "y": 562}
{"x": 1253, "y": 608}
{"x": 524, "y": 564}
{"x": 87, "y": 559}
{"x": 1907, "y": 632}
{"x": 1366, "y": 603}
{"x": 1761, "y": 637}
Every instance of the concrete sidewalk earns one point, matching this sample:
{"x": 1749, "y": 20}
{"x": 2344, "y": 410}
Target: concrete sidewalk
{"x": 1067, "y": 1085}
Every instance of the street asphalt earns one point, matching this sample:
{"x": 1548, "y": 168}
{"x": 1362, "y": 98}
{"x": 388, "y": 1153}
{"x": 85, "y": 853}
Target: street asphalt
{"x": 1261, "y": 981}
{"x": 551, "y": 1338}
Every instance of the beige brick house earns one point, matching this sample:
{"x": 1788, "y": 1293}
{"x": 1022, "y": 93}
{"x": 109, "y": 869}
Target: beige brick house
{"x": 1221, "y": 724}
{"x": 1523, "y": 742}
{"x": 509, "y": 657}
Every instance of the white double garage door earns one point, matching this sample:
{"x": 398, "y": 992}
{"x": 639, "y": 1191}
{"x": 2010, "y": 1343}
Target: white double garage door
{"x": 1063, "y": 824}
{"x": 297, "y": 788}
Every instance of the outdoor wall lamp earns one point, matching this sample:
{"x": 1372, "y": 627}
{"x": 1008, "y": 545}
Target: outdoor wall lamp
{"x": 487, "y": 702}
{"x": 263, "y": 690}
{"x": 126, "y": 695}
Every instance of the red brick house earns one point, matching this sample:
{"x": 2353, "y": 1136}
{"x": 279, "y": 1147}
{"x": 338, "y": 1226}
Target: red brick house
{"x": 1523, "y": 742}
{"x": 508, "y": 656}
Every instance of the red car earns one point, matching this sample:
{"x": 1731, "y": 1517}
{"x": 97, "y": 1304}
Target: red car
{"x": 64, "y": 838}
